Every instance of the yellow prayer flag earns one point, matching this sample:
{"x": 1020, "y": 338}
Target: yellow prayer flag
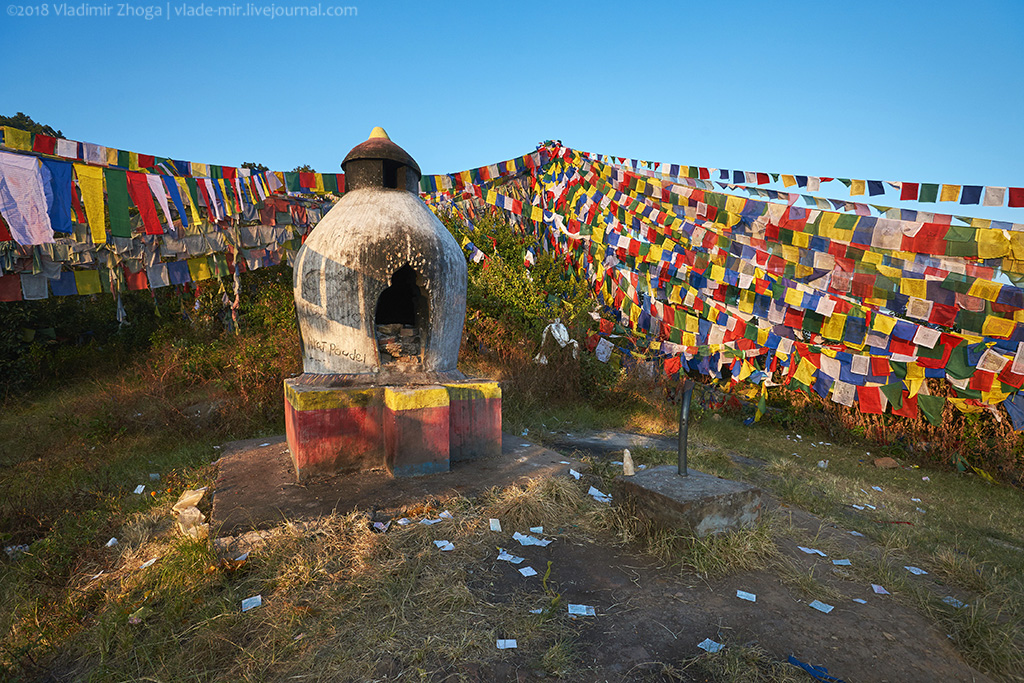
{"x": 320, "y": 183}
{"x": 717, "y": 273}
{"x": 187, "y": 198}
{"x": 200, "y": 170}
{"x": 536, "y": 213}
{"x": 872, "y": 256}
{"x": 88, "y": 281}
{"x": 689, "y": 339}
{"x": 788, "y": 180}
{"x": 857, "y": 187}
{"x": 805, "y": 372}
{"x": 90, "y": 180}
{"x": 491, "y": 197}
{"x": 802, "y": 239}
{"x": 914, "y": 386}
{"x": 762, "y": 336}
{"x": 981, "y": 222}
{"x": 916, "y": 288}
{"x": 950, "y": 193}
{"x": 16, "y": 138}
{"x": 111, "y": 156}
{"x": 962, "y": 406}
{"x": 883, "y": 324}
{"x": 997, "y": 327}
{"x": 915, "y": 371}
{"x": 985, "y": 289}
{"x": 992, "y": 243}
{"x": 199, "y": 268}
{"x": 735, "y": 204}
{"x": 833, "y": 327}
{"x": 133, "y": 161}
{"x": 746, "y": 369}
{"x": 794, "y": 297}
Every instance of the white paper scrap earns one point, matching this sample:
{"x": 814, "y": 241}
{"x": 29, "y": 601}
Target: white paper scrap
{"x": 950, "y": 600}
{"x": 446, "y": 515}
{"x": 445, "y": 545}
{"x": 744, "y": 595}
{"x": 870, "y": 506}
{"x": 243, "y": 557}
{"x": 507, "y": 644}
{"x": 564, "y": 462}
{"x": 140, "y": 488}
{"x": 857, "y": 507}
{"x": 404, "y": 520}
{"x": 537, "y": 611}
{"x": 382, "y": 526}
{"x": 582, "y": 610}
{"x": 148, "y": 563}
{"x": 879, "y": 589}
{"x": 111, "y": 543}
{"x": 528, "y": 571}
{"x": 915, "y": 500}
{"x": 530, "y": 540}
{"x": 264, "y": 444}
{"x": 916, "y": 571}
{"x": 841, "y": 563}
{"x": 709, "y": 645}
{"x": 876, "y": 488}
{"x": 856, "y": 533}
{"x": 823, "y": 464}
{"x": 250, "y": 603}
{"x": 495, "y": 525}
{"x": 574, "y": 473}
{"x": 812, "y": 551}
{"x": 599, "y": 496}
{"x": 821, "y": 606}
{"x": 429, "y": 521}
{"x": 861, "y": 601}
{"x": 508, "y": 557}
{"x": 536, "y": 529}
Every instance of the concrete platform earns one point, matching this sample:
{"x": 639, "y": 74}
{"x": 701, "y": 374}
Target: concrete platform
{"x": 699, "y": 503}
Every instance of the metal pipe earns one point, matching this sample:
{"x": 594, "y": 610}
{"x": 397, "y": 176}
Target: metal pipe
{"x": 684, "y": 426}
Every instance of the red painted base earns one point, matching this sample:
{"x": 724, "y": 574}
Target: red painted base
{"x": 411, "y": 430}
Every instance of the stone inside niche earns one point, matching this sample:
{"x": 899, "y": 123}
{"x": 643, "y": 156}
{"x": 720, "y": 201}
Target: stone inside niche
{"x": 399, "y": 347}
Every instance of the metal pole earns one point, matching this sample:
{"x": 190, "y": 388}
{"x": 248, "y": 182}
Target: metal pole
{"x": 684, "y": 425}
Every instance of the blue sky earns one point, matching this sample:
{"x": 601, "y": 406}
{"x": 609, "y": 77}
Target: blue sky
{"x": 918, "y": 91}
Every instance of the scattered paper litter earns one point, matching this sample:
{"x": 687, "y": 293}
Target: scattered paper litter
{"x": 529, "y": 540}
{"x": 858, "y": 507}
{"x": 812, "y": 551}
{"x": 821, "y": 606}
{"x": 870, "y": 506}
{"x": 140, "y": 488}
{"x": 404, "y": 520}
{"x": 916, "y": 571}
{"x": 148, "y": 563}
{"x": 925, "y": 478}
{"x": 564, "y": 462}
{"x": 495, "y": 524}
{"x": 536, "y": 529}
{"x": 709, "y": 645}
{"x": 823, "y": 464}
{"x": 599, "y": 496}
{"x": 744, "y": 595}
{"x": 950, "y": 600}
{"x": 582, "y": 610}
{"x": 243, "y": 557}
{"x": 445, "y": 545}
{"x": 430, "y": 521}
{"x": 264, "y": 444}
{"x": 841, "y": 563}
{"x": 507, "y": 644}
{"x": 446, "y": 515}
{"x": 879, "y": 589}
{"x": 876, "y": 488}
{"x": 112, "y": 542}
{"x": 856, "y": 533}
{"x": 861, "y": 601}
{"x": 921, "y": 511}
{"x": 915, "y": 500}
{"x": 382, "y": 526}
{"x": 508, "y": 557}
{"x": 250, "y": 603}
{"x": 189, "y": 499}
{"x": 528, "y": 571}
{"x": 574, "y": 473}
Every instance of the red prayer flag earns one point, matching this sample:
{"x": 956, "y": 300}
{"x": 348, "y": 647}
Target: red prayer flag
{"x": 909, "y": 191}
{"x": 1016, "y": 196}
{"x": 870, "y": 400}
{"x": 5, "y": 233}
{"x": 307, "y": 180}
{"x": 138, "y": 188}
{"x": 44, "y": 144}
{"x": 146, "y": 161}
{"x": 672, "y": 365}
{"x": 10, "y": 287}
{"x": 135, "y": 280}
{"x": 229, "y": 172}
{"x": 909, "y": 407}
{"x": 880, "y": 366}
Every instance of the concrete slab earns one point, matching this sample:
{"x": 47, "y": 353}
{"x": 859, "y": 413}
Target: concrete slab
{"x": 609, "y": 442}
{"x": 256, "y": 486}
{"x": 700, "y": 503}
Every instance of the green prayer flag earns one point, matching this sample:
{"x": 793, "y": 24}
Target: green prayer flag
{"x": 118, "y": 202}
{"x": 931, "y": 407}
{"x": 124, "y": 158}
{"x": 929, "y": 192}
{"x": 894, "y": 392}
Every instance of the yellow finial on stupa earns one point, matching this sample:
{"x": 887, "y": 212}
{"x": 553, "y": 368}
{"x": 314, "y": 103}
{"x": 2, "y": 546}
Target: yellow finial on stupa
{"x": 378, "y": 132}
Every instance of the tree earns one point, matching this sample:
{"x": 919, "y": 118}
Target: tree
{"x": 305, "y": 168}
{"x": 23, "y": 121}
{"x": 254, "y": 166}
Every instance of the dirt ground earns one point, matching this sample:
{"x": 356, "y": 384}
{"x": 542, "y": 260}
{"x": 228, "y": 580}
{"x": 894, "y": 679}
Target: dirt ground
{"x": 646, "y": 615}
